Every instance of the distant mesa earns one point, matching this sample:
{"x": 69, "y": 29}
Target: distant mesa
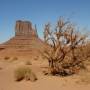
{"x": 25, "y": 42}
{"x": 24, "y": 28}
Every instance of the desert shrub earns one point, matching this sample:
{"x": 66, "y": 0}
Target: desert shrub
{"x": 15, "y": 58}
{"x": 65, "y": 55}
{"x": 87, "y": 50}
{"x": 36, "y": 58}
{"x": 6, "y": 58}
{"x": 24, "y": 73}
{"x": 20, "y": 73}
{"x": 28, "y": 62}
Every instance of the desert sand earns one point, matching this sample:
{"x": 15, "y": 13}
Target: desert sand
{"x": 44, "y": 82}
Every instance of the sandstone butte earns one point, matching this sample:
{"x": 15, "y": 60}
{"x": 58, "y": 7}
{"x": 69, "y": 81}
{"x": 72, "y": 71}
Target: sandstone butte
{"x": 25, "y": 42}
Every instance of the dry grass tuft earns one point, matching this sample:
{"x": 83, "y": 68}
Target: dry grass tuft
{"x": 28, "y": 62}
{"x": 24, "y": 73}
{"x": 6, "y": 58}
{"x": 36, "y": 58}
{"x": 20, "y": 73}
{"x": 15, "y": 58}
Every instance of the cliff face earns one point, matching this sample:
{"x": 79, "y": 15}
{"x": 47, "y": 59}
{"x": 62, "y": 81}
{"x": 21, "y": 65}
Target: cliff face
{"x": 24, "y": 28}
{"x": 25, "y": 41}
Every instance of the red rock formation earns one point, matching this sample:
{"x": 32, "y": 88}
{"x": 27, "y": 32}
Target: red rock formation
{"x": 24, "y": 28}
{"x": 24, "y": 42}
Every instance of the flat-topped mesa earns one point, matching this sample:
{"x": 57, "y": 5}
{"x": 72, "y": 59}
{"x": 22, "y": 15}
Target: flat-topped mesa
{"x": 24, "y": 28}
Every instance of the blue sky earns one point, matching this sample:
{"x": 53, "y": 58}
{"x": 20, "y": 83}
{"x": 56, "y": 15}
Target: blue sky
{"x": 40, "y": 12}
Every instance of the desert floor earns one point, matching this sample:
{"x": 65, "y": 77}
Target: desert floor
{"x": 44, "y": 82}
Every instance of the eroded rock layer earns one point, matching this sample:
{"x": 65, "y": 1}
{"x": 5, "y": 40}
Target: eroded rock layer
{"x": 24, "y": 42}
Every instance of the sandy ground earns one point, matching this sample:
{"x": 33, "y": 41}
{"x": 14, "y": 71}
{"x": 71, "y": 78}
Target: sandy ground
{"x": 44, "y": 82}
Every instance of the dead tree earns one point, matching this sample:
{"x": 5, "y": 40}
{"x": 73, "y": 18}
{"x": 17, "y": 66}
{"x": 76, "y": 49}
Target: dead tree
{"x": 63, "y": 41}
